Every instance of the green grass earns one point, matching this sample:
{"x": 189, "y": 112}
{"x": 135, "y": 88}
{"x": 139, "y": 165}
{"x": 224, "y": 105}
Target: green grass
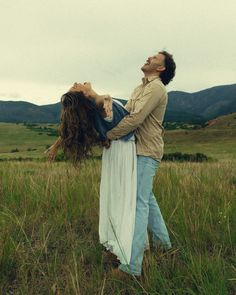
{"x": 49, "y": 231}
{"x": 218, "y": 143}
{"x": 49, "y": 219}
{"x": 18, "y": 136}
{"x": 218, "y": 140}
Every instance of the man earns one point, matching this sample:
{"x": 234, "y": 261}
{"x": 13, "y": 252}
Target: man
{"x": 147, "y": 108}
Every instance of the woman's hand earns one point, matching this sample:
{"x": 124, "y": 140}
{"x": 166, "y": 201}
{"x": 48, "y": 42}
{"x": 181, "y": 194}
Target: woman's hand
{"x": 107, "y": 106}
{"x": 53, "y": 149}
{"x": 51, "y": 153}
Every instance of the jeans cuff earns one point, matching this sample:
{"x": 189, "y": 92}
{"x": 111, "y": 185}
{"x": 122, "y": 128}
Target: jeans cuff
{"x": 127, "y": 269}
{"x": 164, "y": 246}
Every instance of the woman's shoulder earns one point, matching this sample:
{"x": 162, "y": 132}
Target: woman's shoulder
{"x": 117, "y": 101}
{"x": 120, "y": 101}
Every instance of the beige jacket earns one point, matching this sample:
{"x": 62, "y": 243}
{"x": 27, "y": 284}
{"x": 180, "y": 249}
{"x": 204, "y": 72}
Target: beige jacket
{"x": 147, "y": 108}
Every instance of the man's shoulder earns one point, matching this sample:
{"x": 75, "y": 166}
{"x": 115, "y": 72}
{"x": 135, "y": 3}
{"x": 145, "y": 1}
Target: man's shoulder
{"x": 136, "y": 90}
{"x": 157, "y": 85}
{"x": 138, "y": 87}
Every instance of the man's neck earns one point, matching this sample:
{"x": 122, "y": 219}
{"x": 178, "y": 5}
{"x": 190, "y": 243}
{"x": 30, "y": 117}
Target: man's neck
{"x": 148, "y": 75}
{"x": 147, "y": 78}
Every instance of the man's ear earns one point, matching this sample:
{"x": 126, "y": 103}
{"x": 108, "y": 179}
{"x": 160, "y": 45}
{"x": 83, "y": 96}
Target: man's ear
{"x": 161, "y": 68}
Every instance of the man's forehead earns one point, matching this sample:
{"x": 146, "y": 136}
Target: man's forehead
{"x": 160, "y": 56}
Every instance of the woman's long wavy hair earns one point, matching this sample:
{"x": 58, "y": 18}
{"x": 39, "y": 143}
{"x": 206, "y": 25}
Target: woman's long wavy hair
{"x": 77, "y": 126}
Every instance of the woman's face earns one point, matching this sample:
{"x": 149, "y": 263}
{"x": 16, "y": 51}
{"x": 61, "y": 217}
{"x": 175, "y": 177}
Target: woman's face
{"x": 85, "y": 88}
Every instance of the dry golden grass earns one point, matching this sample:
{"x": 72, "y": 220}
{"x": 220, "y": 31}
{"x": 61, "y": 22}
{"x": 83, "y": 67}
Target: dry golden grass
{"x": 49, "y": 222}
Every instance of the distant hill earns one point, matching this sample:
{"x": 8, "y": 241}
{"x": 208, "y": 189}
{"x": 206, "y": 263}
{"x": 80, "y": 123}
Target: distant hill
{"x": 201, "y": 106}
{"x": 223, "y": 122}
{"x": 21, "y": 111}
{"x": 196, "y": 107}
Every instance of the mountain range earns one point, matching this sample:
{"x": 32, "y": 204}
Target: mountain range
{"x": 197, "y": 107}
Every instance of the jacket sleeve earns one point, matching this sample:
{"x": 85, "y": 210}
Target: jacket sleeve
{"x": 145, "y": 105}
{"x": 128, "y": 105}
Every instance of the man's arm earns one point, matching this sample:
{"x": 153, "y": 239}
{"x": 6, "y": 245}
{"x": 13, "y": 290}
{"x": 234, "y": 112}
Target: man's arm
{"x": 128, "y": 105}
{"x": 145, "y": 106}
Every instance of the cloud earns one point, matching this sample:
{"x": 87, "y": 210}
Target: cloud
{"x": 46, "y": 45}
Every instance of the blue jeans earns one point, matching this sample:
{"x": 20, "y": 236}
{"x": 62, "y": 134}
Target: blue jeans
{"x": 148, "y": 215}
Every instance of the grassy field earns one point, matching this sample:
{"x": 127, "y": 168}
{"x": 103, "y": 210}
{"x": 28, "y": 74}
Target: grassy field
{"x": 49, "y": 223}
{"x": 218, "y": 141}
{"x": 18, "y": 136}
{"x": 49, "y": 219}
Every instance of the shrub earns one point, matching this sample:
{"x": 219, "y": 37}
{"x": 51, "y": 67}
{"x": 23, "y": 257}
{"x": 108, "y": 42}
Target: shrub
{"x": 180, "y": 157}
{"x": 60, "y": 157}
{"x": 15, "y": 151}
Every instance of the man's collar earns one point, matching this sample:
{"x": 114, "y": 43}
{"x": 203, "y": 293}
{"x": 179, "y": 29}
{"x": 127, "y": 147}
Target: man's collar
{"x": 149, "y": 79}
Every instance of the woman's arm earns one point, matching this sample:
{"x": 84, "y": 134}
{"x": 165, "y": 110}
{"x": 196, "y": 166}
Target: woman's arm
{"x": 53, "y": 149}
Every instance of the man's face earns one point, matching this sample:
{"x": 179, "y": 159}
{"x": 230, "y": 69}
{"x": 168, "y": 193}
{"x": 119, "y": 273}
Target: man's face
{"x": 154, "y": 64}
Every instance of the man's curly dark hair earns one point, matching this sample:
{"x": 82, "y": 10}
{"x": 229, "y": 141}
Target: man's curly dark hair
{"x": 168, "y": 74}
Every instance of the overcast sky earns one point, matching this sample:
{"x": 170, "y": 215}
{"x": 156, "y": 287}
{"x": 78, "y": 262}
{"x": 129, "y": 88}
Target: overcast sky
{"x": 47, "y": 45}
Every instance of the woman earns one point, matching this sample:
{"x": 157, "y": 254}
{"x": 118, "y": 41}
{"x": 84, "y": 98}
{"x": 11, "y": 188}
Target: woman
{"x": 85, "y": 119}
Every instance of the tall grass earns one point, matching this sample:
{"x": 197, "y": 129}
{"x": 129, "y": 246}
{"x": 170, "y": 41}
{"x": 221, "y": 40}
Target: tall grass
{"x": 49, "y": 231}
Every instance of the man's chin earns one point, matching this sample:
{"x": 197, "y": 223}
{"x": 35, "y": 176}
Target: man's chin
{"x": 143, "y": 68}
